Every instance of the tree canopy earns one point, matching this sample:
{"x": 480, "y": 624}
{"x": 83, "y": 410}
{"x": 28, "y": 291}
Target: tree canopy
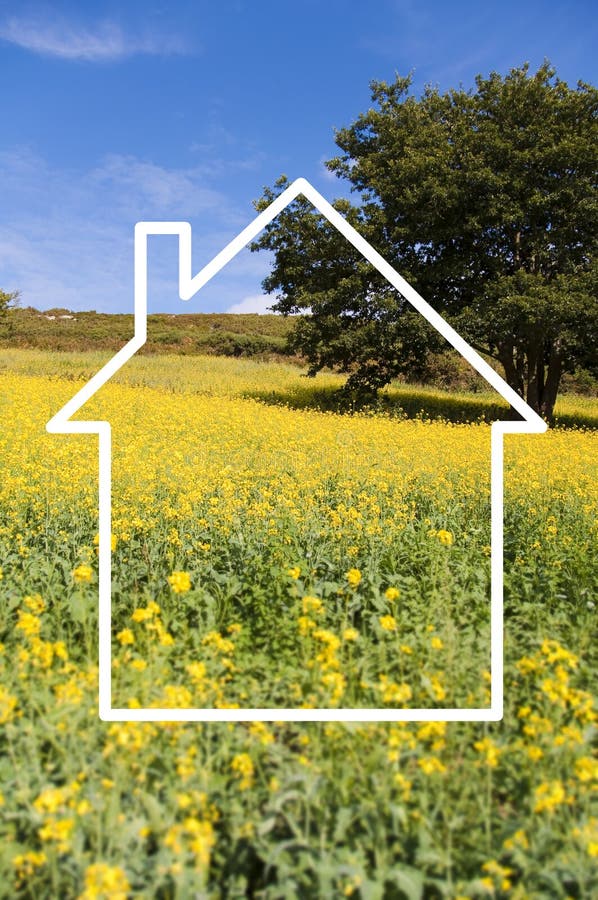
{"x": 486, "y": 201}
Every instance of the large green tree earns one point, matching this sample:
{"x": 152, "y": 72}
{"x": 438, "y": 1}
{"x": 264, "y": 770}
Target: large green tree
{"x": 486, "y": 201}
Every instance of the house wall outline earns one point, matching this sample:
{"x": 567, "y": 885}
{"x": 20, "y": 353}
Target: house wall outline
{"x": 189, "y": 285}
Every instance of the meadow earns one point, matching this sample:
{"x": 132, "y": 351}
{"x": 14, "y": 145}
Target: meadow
{"x": 268, "y": 550}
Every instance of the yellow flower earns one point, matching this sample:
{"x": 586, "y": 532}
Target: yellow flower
{"x": 59, "y": 832}
{"x": 173, "y": 839}
{"x": 431, "y": 765}
{"x": 200, "y": 834}
{"x": 26, "y": 863}
{"x": 221, "y": 644}
{"x": 53, "y": 799}
{"x": 353, "y": 885}
{"x": 527, "y": 665}
{"x": 570, "y": 734}
{"x": 353, "y": 576}
{"x": 242, "y": 766}
{"x": 501, "y": 873}
{"x": 104, "y": 882}
{"x": 28, "y": 623}
{"x": 489, "y": 750}
{"x": 436, "y": 643}
{"x": 431, "y": 731}
{"x": 260, "y": 731}
{"x": 586, "y": 769}
{"x": 336, "y": 683}
{"x": 312, "y": 605}
{"x": 69, "y": 692}
{"x": 305, "y": 625}
{"x": 138, "y": 664}
{"x": 294, "y": 572}
{"x": 60, "y": 650}
{"x": 180, "y": 582}
{"x": 392, "y": 692}
{"x": 392, "y": 594}
{"x": 164, "y": 637}
{"x": 82, "y": 574}
{"x": 445, "y": 537}
{"x": 554, "y": 652}
{"x": 34, "y": 604}
{"x": 388, "y": 623}
{"x": 519, "y": 839}
{"x": 350, "y": 634}
{"x": 549, "y": 795}
{"x": 534, "y": 752}
{"x": 146, "y": 613}
{"x": 437, "y": 688}
{"x": 327, "y": 638}
{"x": 141, "y": 615}
{"x": 175, "y": 695}
{"x": 125, "y": 637}
{"x": 403, "y": 784}
{"x": 7, "y": 705}
{"x": 42, "y": 652}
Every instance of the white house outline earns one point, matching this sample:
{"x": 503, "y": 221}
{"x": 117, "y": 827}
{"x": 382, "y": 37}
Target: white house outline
{"x": 188, "y": 286}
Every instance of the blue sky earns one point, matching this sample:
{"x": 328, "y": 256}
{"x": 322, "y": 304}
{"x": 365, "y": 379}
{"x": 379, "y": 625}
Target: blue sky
{"x": 116, "y": 112}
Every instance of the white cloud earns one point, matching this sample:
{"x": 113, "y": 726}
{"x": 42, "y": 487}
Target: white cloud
{"x": 103, "y": 42}
{"x": 255, "y": 303}
{"x": 66, "y": 236}
{"x": 147, "y": 189}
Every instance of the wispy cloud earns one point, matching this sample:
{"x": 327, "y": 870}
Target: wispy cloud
{"x": 142, "y": 187}
{"x": 103, "y": 42}
{"x": 66, "y": 236}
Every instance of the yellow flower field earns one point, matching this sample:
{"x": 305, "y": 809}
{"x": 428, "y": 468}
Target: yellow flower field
{"x": 269, "y": 555}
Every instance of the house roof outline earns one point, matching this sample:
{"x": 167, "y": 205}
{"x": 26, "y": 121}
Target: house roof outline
{"x": 189, "y": 285}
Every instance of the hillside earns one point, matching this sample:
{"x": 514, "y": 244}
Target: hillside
{"x": 249, "y": 335}
{"x": 205, "y": 333}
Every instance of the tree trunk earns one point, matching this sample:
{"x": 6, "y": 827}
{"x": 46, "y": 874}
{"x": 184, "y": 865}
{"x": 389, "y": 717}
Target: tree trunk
{"x": 535, "y": 363}
{"x": 553, "y": 380}
{"x": 542, "y": 381}
{"x": 507, "y": 361}
{"x": 511, "y": 361}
